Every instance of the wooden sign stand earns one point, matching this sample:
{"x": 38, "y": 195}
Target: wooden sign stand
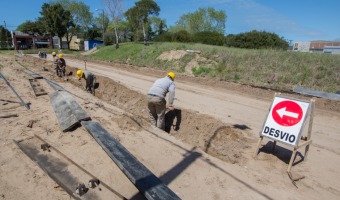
{"x": 304, "y": 141}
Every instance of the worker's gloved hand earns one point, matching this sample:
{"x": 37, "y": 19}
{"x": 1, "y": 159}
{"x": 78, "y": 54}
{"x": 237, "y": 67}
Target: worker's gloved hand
{"x": 171, "y": 107}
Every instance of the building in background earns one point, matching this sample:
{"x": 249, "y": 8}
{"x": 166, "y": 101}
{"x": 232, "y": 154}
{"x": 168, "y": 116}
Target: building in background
{"x": 301, "y": 46}
{"x": 75, "y": 44}
{"x": 30, "y": 41}
{"x": 89, "y": 44}
{"x": 317, "y": 46}
{"x": 332, "y": 49}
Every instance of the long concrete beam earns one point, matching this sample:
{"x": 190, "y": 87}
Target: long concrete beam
{"x": 316, "y": 93}
{"x": 145, "y": 181}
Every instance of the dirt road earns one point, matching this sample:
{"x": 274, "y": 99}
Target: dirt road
{"x": 230, "y": 106}
{"x": 209, "y": 157}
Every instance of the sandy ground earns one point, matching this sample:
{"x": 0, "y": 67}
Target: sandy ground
{"x": 206, "y": 152}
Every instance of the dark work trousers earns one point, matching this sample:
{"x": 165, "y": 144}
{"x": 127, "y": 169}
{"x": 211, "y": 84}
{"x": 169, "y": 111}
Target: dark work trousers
{"x": 90, "y": 82}
{"x": 157, "y": 106}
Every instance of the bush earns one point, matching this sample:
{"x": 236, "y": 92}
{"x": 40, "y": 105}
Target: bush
{"x": 164, "y": 37}
{"x": 257, "y": 40}
{"x": 182, "y": 36}
{"x": 207, "y": 37}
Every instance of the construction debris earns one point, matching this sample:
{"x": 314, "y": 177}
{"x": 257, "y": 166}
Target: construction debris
{"x": 9, "y": 85}
{"x": 8, "y": 116}
{"x": 31, "y": 122}
{"x": 37, "y": 88}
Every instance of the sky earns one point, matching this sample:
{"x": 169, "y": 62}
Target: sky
{"x": 294, "y": 20}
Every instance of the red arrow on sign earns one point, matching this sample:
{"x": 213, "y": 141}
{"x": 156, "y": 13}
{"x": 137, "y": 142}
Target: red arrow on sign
{"x": 287, "y": 113}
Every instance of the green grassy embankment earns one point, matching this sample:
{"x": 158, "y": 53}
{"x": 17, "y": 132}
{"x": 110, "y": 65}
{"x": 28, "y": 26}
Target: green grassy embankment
{"x": 263, "y": 68}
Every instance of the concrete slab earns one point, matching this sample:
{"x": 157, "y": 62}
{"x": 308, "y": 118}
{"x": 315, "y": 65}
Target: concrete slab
{"x": 315, "y": 93}
{"x": 145, "y": 181}
{"x": 65, "y": 172}
{"x": 33, "y": 74}
{"x": 68, "y": 111}
{"x": 37, "y": 88}
{"x": 54, "y": 85}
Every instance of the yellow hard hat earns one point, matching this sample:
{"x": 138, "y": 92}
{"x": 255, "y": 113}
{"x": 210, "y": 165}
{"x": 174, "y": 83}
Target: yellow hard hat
{"x": 53, "y": 53}
{"x": 60, "y": 55}
{"x": 80, "y": 73}
{"x": 171, "y": 75}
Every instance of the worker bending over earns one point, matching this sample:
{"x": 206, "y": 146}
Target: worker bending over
{"x": 89, "y": 78}
{"x": 156, "y": 99}
{"x": 61, "y": 66}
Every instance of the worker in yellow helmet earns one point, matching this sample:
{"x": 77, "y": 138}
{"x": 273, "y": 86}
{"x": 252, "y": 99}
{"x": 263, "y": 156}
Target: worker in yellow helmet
{"x": 90, "y": 79}
{"x": 61, "y": 66}
{"x": 156, "y": 99}
{"x": 54, "y": 57}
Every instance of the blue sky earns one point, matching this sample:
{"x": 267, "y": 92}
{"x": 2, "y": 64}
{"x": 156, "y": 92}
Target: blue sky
{"x": 296, "y": 20}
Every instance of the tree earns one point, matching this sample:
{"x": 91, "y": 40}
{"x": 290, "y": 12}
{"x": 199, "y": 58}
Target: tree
{"x": 158, "y": 25}
{"x": 257, "y": 40}
{"x": 81, "y": 18}
{"x": 92, "y": 33}
{"x": 114, "y": 8}
{"x": 5, "y": 34}
{"x": 203, "y": 20}
{"x": 123, "y": 31}
{"x": 30, "y": 27}
{"x": 138, "y": 15}
{"x": 56, "y": 20}
{"x": 98, "y": 22}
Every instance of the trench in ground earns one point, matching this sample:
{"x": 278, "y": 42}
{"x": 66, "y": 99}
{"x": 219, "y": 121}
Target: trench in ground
{"x": 228, "y": 142}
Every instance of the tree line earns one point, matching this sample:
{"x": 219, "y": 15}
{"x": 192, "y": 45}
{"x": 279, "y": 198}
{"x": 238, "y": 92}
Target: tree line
{"x": 140, "y": 23}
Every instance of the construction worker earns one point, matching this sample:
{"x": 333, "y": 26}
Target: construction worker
{"x": 61, "y": 66}
{"x": 89, "y": 78}
{"x": 156, "y": 99}
{"x": 54, "y": 55}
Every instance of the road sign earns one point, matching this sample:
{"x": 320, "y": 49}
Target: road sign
{"x": 287, "y": 113}
{"x": 285, "y": 120}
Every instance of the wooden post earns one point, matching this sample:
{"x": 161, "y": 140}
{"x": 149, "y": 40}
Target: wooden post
{"x": 309, "y": 135}
{"x": 258, "y": 146}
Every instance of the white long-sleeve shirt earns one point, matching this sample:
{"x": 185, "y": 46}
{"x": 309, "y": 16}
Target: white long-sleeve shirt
{"x": 161, "y": 87}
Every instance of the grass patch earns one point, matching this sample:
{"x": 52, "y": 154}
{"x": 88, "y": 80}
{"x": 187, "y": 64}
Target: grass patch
{"x": 254, "y": 67}
{"x": 201, "y": 71}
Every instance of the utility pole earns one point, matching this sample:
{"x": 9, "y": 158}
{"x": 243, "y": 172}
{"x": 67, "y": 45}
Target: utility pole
{"x": 102, "y": 22}
{"x": 6, "y": 34}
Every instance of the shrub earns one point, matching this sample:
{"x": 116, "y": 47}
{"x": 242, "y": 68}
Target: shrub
{"x": 201, "y": 70}
{"x": 164, "y": 37}
{"x": 182, "y": 36}
{"x": 207, "y": 37}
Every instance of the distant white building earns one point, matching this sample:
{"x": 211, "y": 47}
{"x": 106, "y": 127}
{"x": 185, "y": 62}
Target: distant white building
{"x": 332, "y": 49}
{"x": 317, "y": 46}
{"x": 301, "y": 46}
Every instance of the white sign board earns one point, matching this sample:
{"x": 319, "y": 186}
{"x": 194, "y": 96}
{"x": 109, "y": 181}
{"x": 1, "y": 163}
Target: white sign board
{"x": 285, "y": 120}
